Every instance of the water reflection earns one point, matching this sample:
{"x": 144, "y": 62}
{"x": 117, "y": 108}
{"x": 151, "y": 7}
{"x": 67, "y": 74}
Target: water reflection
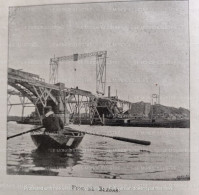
{"x": 55, "y": 159}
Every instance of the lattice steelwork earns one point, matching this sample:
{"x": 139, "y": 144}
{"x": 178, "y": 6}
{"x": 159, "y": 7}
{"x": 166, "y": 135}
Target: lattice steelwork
{"x": 101, "y": 73}
{"x": 65, "y": 100}
{"x": 100, "y": 68}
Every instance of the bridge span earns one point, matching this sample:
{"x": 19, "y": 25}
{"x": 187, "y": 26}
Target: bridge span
{"x": 65, "y": 101}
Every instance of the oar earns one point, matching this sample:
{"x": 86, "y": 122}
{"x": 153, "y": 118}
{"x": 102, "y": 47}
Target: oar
{"x": 24, "y": 132}
{"x": 135, "y": 141}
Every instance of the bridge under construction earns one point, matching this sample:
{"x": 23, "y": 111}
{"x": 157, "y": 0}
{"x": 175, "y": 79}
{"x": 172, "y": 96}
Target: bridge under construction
{"x": 68, "y": 103}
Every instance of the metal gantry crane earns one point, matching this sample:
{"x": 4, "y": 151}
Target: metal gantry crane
{"x": 100, "y": 68}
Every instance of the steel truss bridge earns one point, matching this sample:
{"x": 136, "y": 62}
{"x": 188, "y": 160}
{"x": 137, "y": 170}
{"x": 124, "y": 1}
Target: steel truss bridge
{"x": 64, "y": 101}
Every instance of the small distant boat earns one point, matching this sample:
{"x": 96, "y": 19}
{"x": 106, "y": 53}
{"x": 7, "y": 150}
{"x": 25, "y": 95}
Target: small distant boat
{"x": 68, "y": 139}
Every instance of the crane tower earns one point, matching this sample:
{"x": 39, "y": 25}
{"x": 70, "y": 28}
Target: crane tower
{"x": 100, "y": 68}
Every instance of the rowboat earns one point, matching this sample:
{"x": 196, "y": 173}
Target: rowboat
{"x": 67, "y": 139}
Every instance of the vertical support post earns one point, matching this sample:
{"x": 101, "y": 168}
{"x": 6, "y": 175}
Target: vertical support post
{"x": 86, "y": 109}
{"x": 96, "y": 74}
{"x": 64, "y": 103}
{"x": 105, "y": 56}
{"x": 78, "y": 108}
{"x": 103, "y": 119}
{"x": 40, "y": 118}
{"x": 101, "y": 73}
{"x": 8, "y": 102}
{"x": 23, "y": 101}
{"x": 53, "y": 71}
{"x": 89, "y": 109}
{"x": 109, "y": 91}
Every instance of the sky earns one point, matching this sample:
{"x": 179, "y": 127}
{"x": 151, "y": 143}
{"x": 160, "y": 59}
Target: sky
{"x": 147, "y": 43}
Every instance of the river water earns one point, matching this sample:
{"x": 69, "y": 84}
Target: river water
{"x": 167, "y": 158}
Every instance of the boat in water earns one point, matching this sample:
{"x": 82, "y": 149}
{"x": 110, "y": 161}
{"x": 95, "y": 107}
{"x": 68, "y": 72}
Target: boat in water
{"x": 68, "y": 139}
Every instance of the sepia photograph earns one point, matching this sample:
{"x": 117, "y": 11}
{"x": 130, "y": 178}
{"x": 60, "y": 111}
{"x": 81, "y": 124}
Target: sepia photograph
{"x": 99, "y": 90}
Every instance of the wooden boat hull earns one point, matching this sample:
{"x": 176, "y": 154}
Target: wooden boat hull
{"x": 66, "y": 140}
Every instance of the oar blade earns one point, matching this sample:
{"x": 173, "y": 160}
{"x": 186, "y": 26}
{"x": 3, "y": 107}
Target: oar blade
{"x": 135, "y": 141}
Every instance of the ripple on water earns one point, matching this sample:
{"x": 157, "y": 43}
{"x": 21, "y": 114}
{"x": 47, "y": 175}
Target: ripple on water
{"x": 166, "y": 158}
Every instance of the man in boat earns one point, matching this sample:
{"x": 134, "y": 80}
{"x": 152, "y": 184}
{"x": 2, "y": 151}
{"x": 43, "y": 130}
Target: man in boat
{"x": 51, "y": 122}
